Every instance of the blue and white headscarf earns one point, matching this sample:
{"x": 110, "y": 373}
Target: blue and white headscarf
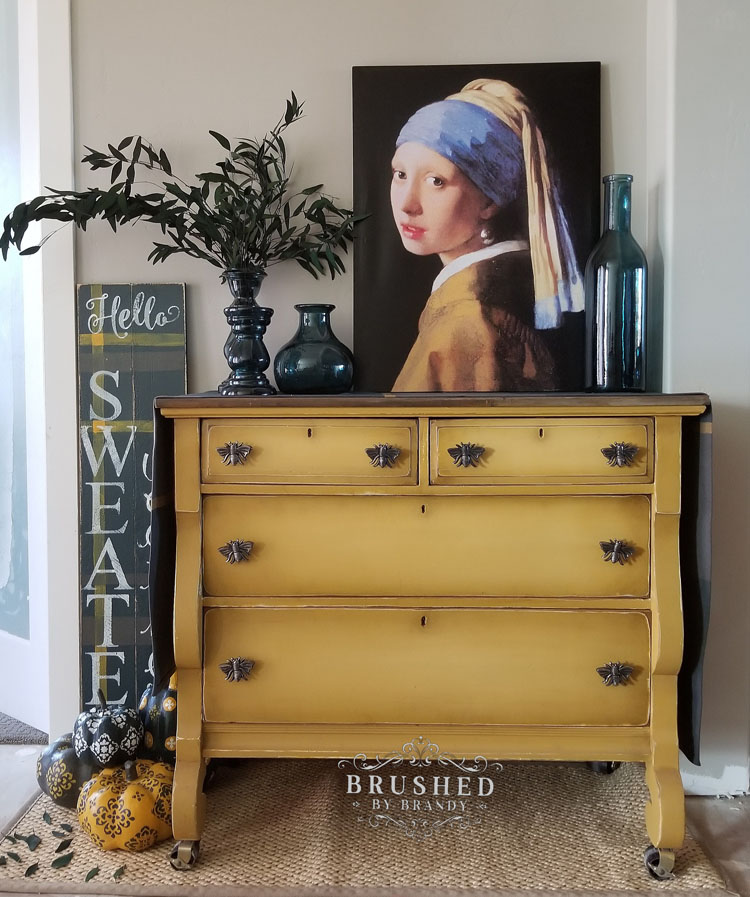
{"x": 485, "y": 149}
{"x": 488, "y": 132}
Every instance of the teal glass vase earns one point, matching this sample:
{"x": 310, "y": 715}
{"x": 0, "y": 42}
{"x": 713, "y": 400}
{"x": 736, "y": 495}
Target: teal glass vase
{"x": 314, "y": 360}
{"x": 615, "y": 283}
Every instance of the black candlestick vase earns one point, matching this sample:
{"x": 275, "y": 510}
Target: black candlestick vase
{"x": 244, "y": 349}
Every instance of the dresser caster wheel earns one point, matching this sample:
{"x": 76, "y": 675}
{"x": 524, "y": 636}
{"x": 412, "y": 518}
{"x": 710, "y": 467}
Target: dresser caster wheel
{"x": 659, "y": 862}
{"x": 184, "y": 855}
{"x": 604, "y": 767}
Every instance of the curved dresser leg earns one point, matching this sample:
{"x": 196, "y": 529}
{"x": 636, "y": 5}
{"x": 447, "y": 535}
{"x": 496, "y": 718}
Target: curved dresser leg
{"x": 188, "y": 800}
{"x": 665, "y": 817}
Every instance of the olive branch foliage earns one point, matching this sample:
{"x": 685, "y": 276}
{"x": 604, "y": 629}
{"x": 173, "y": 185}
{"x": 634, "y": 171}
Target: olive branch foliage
{"x": 243, "y": 215}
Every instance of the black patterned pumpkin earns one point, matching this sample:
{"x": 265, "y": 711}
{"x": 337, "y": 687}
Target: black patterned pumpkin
{"x": 60, "y": 773}
{"x": 107, "y": 736}
{"x": 158, "y": 712}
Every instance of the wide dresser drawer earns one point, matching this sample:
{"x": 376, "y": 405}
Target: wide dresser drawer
{"x": 312, "y": 451}
{"x": 494, "y": 666}
{"x": 541, "y": 450}
{"x": 424, "y": 545}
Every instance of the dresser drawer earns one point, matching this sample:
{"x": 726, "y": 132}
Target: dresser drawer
{"x": 541, "y": 450}
{"x": 309, "y": 451}
{"x": 514, "y": 667}
{"x": 444, "y": 545}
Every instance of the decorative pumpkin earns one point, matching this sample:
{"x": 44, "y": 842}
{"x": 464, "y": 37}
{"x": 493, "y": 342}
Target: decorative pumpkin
{"x": 107, "y": 736}
{"x": 60, "y": 773}
{"x": 129, "y": 807}
{"x": 158, "y": 712}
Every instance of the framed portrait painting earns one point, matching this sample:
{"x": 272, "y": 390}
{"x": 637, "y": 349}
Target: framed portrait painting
{"x": 480, "y": 185}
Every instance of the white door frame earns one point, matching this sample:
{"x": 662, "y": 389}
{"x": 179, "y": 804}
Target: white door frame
{"x": 49, "y": 662}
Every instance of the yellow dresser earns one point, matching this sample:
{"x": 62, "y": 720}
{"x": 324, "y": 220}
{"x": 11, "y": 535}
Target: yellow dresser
{"x": 531, "y": 540}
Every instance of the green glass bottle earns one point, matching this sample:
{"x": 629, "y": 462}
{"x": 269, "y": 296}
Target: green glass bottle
{"x": 615, "y": 284}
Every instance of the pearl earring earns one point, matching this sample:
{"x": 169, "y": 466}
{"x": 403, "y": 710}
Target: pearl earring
{"x": 486, "y": 236}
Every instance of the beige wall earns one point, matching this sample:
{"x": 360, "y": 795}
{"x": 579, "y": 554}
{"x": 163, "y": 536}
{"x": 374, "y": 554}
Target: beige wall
{"x": 708, "y": 334}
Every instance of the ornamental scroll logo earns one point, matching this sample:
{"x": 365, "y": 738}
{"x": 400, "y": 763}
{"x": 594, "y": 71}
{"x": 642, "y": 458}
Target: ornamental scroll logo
{"x": 420, "y": 805}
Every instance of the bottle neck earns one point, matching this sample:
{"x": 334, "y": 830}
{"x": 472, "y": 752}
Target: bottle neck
{"x": 314, "y": 322}
{"x": 617, "y": 204}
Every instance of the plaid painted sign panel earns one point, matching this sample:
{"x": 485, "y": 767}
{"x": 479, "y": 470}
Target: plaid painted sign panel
{"x": 131, "y": 348}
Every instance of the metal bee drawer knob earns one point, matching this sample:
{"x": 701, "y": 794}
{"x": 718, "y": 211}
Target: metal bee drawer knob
{"x": 382, "y": 454}
{"x": 236, "y": 669}
{"x": 616, "y": 551}
{"x": 466, "y": 454}
{"x": 236, "y": 550}
{"x": 233, "y": 453}
{"x": 615, "y": 673}
{"x": 620, "y": 454}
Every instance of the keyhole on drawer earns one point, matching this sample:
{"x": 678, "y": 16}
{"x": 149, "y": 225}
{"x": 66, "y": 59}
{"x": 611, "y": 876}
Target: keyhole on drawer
{"x": 541, "y": 432}
{"x": 423, "y": 509}
{"x": 424, "y": 621}
{"x": 309, "y": 433}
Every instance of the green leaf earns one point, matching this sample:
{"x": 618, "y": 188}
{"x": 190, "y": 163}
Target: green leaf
{"x": 10, "y": 838}
{"x": 47, "y": 818}
{"x": 310, "y": 190}
{"x": 60, "y": 834}
{"x": 118, "y": 873}
{"x": 313, "y": 256}
{"x": 116, "y": 153}
{"x": 31, "y": 870}
{"x": 221, "y": 139}
{"x": 3, "y": 860}
{"x": 92, "y": 873}
{"x": 63, "y": 845}
{"x": 35, "y": 204}
{"x": 14, "y": 856}
{"x": 332, "y": 260}
{"x": 211, "y": 177}
{"x": 32, "y": 841}
{"x": 59, "y": 862}
{"x": 66, "y": 827}
{"x": 177, "y": 191}
{"x": 125, "y": 142}
{"x": 165, "y": 162}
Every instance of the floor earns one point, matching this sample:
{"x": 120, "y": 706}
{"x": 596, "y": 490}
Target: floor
{"x": 721, "y": 825}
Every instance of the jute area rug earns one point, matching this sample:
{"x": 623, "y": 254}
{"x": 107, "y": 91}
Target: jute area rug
{"x": 288, "y": 827}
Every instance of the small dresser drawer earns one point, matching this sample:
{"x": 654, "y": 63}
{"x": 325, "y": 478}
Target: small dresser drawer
{"x": 349, "y": 452}
{"x": 464, "y": 667}
{"x": 395, "y": 545}
{"x": 541, "y": 450}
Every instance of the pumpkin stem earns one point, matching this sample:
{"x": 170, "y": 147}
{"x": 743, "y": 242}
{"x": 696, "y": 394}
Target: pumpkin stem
{"x": 131, "y": 770}
{"x": 102, "y": 699}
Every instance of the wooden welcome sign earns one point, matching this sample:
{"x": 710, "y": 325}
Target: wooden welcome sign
{"x": 131, "y": 348}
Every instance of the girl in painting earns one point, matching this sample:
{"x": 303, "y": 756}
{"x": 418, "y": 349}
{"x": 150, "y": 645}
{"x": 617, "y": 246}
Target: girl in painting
{"x": 471, "y": 184}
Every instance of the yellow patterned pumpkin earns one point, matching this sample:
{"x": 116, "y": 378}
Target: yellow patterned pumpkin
{"x": 128, "y": 807}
